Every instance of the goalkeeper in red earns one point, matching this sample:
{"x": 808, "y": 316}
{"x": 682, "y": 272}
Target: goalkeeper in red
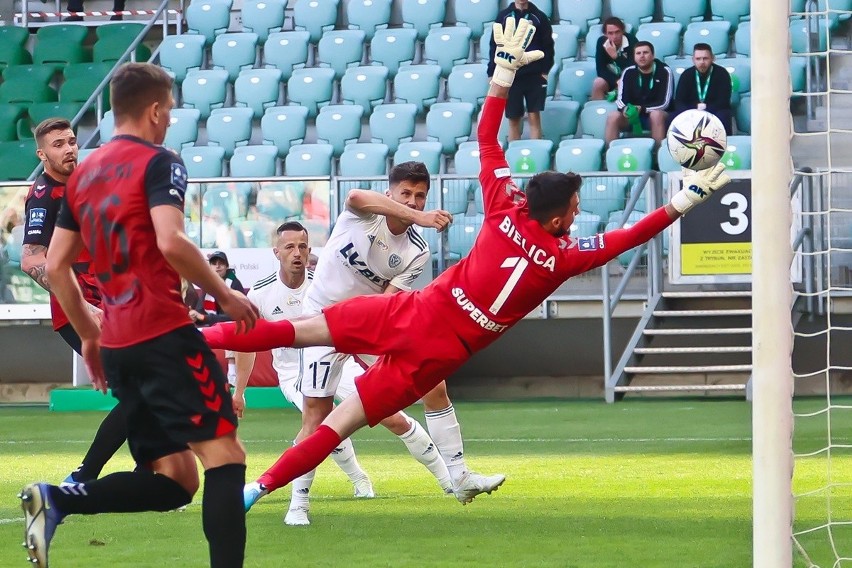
{"x": 522, "y": 254}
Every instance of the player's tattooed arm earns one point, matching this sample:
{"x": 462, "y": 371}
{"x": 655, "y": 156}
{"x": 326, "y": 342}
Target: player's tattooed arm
{"x": 34, "y": 263}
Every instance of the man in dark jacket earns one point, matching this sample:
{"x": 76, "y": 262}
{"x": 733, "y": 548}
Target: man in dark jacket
{"x": 644, "y": 96}
{"x": 613, "y": 54}
{"x": 530, "y": 85}
{"x": 705, "y": 86}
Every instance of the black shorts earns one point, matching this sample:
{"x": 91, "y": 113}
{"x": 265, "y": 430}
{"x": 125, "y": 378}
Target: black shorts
{"x": 67, "y": 333}
{"x": 173, "y": 391}
{"x": 530, "y": 89}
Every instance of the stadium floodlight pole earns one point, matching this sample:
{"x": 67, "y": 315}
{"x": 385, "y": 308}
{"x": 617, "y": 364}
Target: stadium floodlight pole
{"x": 772, "y": 294}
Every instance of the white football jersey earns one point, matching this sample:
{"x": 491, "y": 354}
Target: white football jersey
{"x": 277, "y": 302}
{"x": 363, "y": 257}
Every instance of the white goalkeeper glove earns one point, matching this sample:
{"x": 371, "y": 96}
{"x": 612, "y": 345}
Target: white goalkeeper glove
{"x": 698, "y": 186}
{"x": 511, "y": 53}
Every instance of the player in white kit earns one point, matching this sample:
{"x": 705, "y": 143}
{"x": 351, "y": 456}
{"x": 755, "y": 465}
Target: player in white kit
{"x": 280, "y": 296}
{"x": 375, "y": 249}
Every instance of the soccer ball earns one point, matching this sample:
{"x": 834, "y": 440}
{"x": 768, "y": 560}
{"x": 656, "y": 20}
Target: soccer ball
{"x": 697, "y": 139}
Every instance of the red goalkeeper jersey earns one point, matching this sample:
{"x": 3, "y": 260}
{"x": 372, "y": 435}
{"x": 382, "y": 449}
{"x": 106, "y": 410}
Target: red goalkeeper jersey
{"x": 515, "y": 264}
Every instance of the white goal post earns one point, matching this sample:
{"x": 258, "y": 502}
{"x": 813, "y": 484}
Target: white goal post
{"x": 772, "y": 293}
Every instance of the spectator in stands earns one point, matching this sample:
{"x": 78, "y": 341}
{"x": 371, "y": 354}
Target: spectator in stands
{"x": 705, "y": 86}
{"x": 530, "y": 87}
{"x": 644, "y": 96}
{"x": 77, "y": 6}
{"x": 613, "y": 54}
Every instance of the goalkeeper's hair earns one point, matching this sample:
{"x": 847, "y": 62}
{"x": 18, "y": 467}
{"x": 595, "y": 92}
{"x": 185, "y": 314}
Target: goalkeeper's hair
{"x": 549, "y": 194}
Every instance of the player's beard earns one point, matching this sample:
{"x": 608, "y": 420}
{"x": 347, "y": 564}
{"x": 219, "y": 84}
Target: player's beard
{"x": 64, "y": 167}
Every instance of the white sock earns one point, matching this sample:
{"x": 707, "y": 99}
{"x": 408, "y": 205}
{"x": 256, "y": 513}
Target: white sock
{"x": 232, "y": 373}
{"x": 300, "y": 496}
{"x": 424, "y": 450}
{"x": 446, "y": 432}
{"x": 345, "y": 458}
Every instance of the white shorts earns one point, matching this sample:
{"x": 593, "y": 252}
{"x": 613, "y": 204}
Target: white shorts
{"x": 322, "y": 369}
{"x": 290, "y": 388}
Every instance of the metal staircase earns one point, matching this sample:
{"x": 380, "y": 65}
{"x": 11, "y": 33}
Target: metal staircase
{"x": 705, "y": 335}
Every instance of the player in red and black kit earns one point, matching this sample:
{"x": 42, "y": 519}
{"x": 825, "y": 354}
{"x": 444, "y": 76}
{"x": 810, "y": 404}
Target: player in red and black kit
{"x": 522, "y": 254}
{"x": 125, "y": 205}
{"x": 57, "y": 149}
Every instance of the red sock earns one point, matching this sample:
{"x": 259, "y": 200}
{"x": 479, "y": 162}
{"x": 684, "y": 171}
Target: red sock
{"x": 301, "y": 458}
{"x": 266, "y": 335}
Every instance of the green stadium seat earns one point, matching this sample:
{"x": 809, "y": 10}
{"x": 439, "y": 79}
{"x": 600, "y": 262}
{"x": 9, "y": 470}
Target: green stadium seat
{"x": 393, "y": 49}
{"x": 78, "y": 89}
{"x": 579, "y": 155}
{"x": 364, "y": 86}
{"x": 229, "y": 128}
{"x": 559, "y": 120}
{"x": 733, "y": 11}
{"x": 253, "y": 161}
{"x": 86, "y": 70}
{"x": 455, "y": 194}
{"x": 234, "y": 52}
{"x": 566, "y": 42}
{"x": 582, "y": 13}
{"x": 738, "y": 153}
{"x": 463, "y": 232}
{"x": 626, "y": 257}
{"x": 204, "y": 90}
{"x": 630, "y": 155}
{"x": 42, "y": 74}
{"x": 340, "y": 49}
{"x": 744, "y": 114}
{"x": 586, "y": 225}
{"x": 449, "y": 124}
{"x": 716, "y": 34}
{"x": 111, "y": 47}
{"x": 316, "y": 17}
{"x": 284, "y": 127}
{"x": 593, "y": 118}
{"x": 311, "y": 87}
{"x": 263, "y": 17}
{"x": 484, "y": 46}
{"x": 9, "y": 117}
{"x": 391, "y": 124}
{"x": 339, "y": 125}
{"x": 286, "y": 51}
{"x": 183, "y": 128}
{"x": 602, "y": 195}
{"x": 529, "y": 156}
{"x": 367, "y": 159}
{"x": 678, "y": 65}
{"x": 12, "y": 49}
{"x": 476, "y": 14}
{"x": 447, "y": 47}
{"x": 42, "y": 111}
{"x": 423, "y": 15}
{"x": 208, "y": 18}
{"x": 576, "y": 78}
{"x": 800, "y": 37}
{"x": 633, "y": 12}
{"x": 740, "y": 71}
{"x": 309, "y": 160}
{"x": 368, "y": 16}
{"x": 417, "y": 84}
{"x": 665, "y": 161}
{"x": 798, "y": 73}
{"x": 181, "y": 54}
{"x": 60, "y": 44}
{"x": 742, "y": 39}
{"x": 664, "y": 35}
{"x": 427, "y": 152}
{"x": 683, "y": 11}
{"x": 466, "y": 159}
{"x": 23, "y": 92}
{"x": 468, "y": 84}
{"x": 203, "y": 161}
{"x": 17, "y": 160}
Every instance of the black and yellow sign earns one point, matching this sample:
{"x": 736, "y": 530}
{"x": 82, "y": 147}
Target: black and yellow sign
{"x": 716, "y": 237}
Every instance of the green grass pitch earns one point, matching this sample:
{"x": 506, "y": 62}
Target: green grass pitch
{"x": 638, "y": 483}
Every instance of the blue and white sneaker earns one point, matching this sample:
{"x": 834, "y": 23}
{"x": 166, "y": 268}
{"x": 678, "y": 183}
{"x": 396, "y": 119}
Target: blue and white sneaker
{"x": 252, "y": 493}
{"x": 40, "y": 520}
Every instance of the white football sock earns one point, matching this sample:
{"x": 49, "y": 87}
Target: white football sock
{"x": 301, "y": 490}
{"x": 232, "y": 373}
{"x": 345, "y": 458}
{"x": 424, "y": 450}
{"x": 446, "y": 432}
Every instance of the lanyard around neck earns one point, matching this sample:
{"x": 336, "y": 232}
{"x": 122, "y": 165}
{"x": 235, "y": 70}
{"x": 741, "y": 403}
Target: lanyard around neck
{"x": 651, "y": 82}
{"x": 702, "y": 91}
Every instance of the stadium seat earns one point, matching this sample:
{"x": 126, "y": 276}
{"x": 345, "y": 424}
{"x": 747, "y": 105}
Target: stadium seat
{"x": 798, "y": 71}
{"x": 427, "y": 152}
{"x": 466, "y": 159}
{"x": 339, "y": 125}
{"x": 255, "y": 233}
{"x": 115, "y": 37}
{"x": 23, "y": 93}
{"x": 664, "y": 35}
{"x": 449, "y": 124}
{"x": 311, "y": 88}
{"x": 683, "y": 11}
{"x": 340, "y": 49}
{"x": 86, "y": 70}
{"x": 582, "y": 13}
{"x": 60, "y": 44}
{"x": 257, "y": 89}
{"x": 234, "y": 52}
{"x": 417, "y": 84}
{"x": 742, "y": 39}
{"x": 602, "y": 195}
{"x": 203, "y": 161}
{"x": 229, "y": 128}
{"x": 363, "y": 159}
{"x": 484, "y": 45}
{"x": 744, "y": 114}
{"x": 630, "y": 155}
{"x": 740, "y": 70}
{"x": 678, "y": 65}
{"x": 280, "y": 201}
{"x": 9, "y": 117}
{"x": 208, "y": 18}
{"x": 286, "y": 51}
{"x": 284, "y": 127}
{"x": 738, "y": 153}
{"x": 183, "y": 128}
{"x": 453, "y": 195}
{"x": 593, "y": 118}
{"x": 586, "y": 225}
{"x": 633, "y": 12}
{"x": 253, "y": 161}
{"x": 204, "y": 90}
{"x": 576, "y": 78}
{"x": 447, "y": 47}
{"x": 220, "y": 200}
{"x": 463, "y": 232}
{"x": 422, "y": 15}
{"x": 263, "y": 17}
{"x": 181, "y": 54}
{"x": 529, "y": 156}
{"x": 559, "y": 120}
{"x": 476, "y": 14}
{"x": 665, "y": 162}
{"x": 77, "y": 88}
{"x": 17, "y": 159}
{"x": 625, "y": 258}
{"x": 107, "y": 126}
{"x": 579, "y": 155}
{"x": 42, "y": 111}
{"x": 468, "y": 84}
{"x": 393, "y": 49}
{"x": 368, "y": 16}
{"x": 732, "y": 11}
{"x": 717, "y": 34}
{"x": 12, "y": 46}
{"x": 800, "y": 38}
{"x": 42, "y": 74}
{"x": 393, "y": 123}
{"x": 315, "y": 17}
{"x": 364, "y": 86}
{"x": 566, "y": 42}
{"x": 308, "y": 160}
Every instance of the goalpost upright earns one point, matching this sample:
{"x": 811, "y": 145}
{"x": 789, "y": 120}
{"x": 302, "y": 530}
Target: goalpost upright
{"x": 772, "y": 419}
